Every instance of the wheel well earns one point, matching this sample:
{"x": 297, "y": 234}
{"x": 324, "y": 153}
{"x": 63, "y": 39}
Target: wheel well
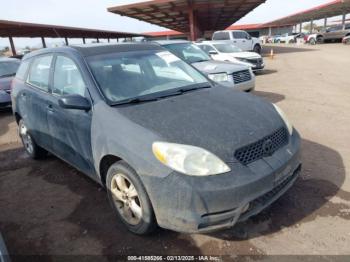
{"x": 18, "y": 117}
{"x": 348, "y": 34}
{"x": 105, "y": 164}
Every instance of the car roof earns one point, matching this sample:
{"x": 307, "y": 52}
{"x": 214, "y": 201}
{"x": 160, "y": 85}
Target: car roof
{"x": 8, "y": 59}
{"x": 215, "y": 42}
{"x": 170, "y": 42}
{"x": 97, "y": 49}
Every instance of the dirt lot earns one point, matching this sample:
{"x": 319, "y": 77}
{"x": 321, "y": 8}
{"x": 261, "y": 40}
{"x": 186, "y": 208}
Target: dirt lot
{"x": 49, "y": 208}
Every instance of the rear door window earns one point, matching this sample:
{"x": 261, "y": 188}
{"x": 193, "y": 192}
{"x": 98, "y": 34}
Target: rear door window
{"x": 67, "y": 79}
{"x": 39, "y": 73}
{"x": 239, "y": 35}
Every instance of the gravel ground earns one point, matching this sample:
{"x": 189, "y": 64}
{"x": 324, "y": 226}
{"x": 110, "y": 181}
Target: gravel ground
{"x": 49, "y": 208}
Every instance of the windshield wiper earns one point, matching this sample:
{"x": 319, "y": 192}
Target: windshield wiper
{"x": 136, "y": 100}
{"x": 177, "y": 92}
{"x": 7, "y": 75}
{"x": 200, "y": 61}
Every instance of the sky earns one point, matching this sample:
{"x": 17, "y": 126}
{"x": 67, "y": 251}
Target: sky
{"x": 93, "y": 14}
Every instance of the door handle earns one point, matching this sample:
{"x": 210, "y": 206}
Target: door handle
{"x": 243, "y": 41}
{"x": 235, "y": 41}
{"x": 23, "y": 94}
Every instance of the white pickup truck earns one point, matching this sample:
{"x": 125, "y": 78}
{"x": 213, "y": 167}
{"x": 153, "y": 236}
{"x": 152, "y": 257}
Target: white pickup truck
{"x": 239, "y": 38}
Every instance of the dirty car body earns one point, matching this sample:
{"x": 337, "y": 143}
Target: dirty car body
{"x": 257, "y": 147}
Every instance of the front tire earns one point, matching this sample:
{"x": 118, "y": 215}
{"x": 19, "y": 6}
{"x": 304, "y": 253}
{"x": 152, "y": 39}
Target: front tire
{"x": 32, "y": 149}
{"x": 129, "y": 199}
{"x": 313, "y": 41}
{"x": 257, "y": 49}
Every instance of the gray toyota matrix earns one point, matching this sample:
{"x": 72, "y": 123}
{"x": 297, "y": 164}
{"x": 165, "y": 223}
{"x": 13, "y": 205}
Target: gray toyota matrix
{"x": 171, "y": 147}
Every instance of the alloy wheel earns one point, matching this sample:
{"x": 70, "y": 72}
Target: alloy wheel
{"x": 126, "y": 199}
{"x": 26, "y": 139}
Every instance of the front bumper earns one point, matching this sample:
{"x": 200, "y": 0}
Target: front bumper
{"x": 258, "y": 67}
{"x": 5, "y": 98}
{"x": 204, "y": 204}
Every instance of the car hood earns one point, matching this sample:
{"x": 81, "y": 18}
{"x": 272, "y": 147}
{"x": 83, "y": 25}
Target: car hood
{"x": 215, "y": 67}
{"x": 249, "y": 55}
{"x": 5, "y": 83}
{"x": 218, "y": 119}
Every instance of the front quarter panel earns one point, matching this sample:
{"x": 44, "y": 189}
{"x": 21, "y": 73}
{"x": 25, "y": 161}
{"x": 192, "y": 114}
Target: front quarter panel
{"x": 114, "y": 134}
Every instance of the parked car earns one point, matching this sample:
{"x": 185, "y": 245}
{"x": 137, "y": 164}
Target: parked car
{"x": 8, "y": 69}
{"x": 334, "y": 33}
{"x": 239, "y": 38}
{"x": 346, "y": 40}
{"x": 313, "y": 39}
{"x": 172, "y": 148}
{"x": 221, "y": 51}
{"x": 289, "y": 38}
{"x": 228, "y": 74}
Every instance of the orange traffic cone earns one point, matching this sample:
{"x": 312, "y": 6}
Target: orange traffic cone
{"x": 272, "y": 55}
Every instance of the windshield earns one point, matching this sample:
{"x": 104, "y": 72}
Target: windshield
{"x": 130, "y": 75}
{"x": 188, "y": 52}
{"x": 227, "y": 48}
{"x": 8, "y": 68}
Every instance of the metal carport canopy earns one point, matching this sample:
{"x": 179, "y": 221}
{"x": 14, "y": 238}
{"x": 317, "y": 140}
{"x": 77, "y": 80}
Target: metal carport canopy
{"x": 189, "y": 16}
{"x": 334, "y": 8}
{"x": 20, "y": 29}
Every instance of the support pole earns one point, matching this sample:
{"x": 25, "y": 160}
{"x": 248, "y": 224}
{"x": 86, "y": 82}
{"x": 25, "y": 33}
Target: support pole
{"x": 98, "y": 40}
{"x": 270, "y": 31}
{"x": 66, "y": 40}
{"x": 343, "y": 20}
{"x": 325, "y": 23}
{"x": 13, "y": 49}
{"x": 84, "y": 42}
{"x": 193, "y": 33}
{"x": 43, "y": 42}
{"x": 117, "y": 40}
{"x": 301, "y": 28}
{"x": 108, "y": 40}
{"x": 311, "y": 26}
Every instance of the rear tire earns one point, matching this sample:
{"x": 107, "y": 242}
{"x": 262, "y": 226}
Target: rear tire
{"x": 257, "y": 49}
{"x": 32, "y": 148}
{"x": 129, "y": 199}
{"x": 347, "y": 41}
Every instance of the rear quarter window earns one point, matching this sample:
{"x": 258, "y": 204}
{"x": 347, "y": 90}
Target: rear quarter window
{"x": 221, "y": 36}
{"x": 22, "y": 70}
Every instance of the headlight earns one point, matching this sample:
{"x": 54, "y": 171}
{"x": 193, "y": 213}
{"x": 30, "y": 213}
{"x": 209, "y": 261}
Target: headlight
{"x": 285, "y": 119}
{"x": 189, "y": 160}
{"x": 222, "y": 77}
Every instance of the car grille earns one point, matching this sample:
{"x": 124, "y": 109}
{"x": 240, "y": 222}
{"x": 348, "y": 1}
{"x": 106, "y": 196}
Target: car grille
{"x": 257, "y": 61}
{"x": 262, "y": 148}
{"x": 241, "y": 76}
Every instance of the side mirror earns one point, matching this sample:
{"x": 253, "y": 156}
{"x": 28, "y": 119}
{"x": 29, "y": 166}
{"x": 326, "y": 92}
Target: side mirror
{"x": 74, "y": 102}
{"x": 249, "y": 37}
{"x": 213, "y": 52}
